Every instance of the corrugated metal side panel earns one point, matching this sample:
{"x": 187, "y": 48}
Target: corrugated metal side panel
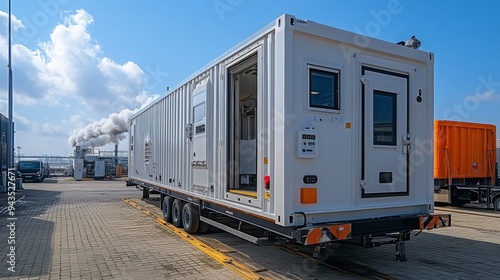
{"x": 159, "y": 148}
{"x": 162, "y": 124}
{"x": 464, "y": 150}
{"x": 231, "y": 52}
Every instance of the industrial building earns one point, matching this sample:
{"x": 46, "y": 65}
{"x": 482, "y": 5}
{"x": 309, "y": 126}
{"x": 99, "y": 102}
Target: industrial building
{"x": 4, "y": 132}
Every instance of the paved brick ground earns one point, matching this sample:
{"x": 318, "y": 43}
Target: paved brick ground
{"x": 83, "y": 230}
{"x": 470, "y": 249}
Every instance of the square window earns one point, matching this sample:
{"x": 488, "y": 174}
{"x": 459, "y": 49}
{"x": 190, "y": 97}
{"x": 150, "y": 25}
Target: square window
{"x": 324, "y": 89}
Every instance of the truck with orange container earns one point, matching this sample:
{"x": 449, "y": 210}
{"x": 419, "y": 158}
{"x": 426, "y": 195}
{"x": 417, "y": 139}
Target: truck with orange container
{"x": 465, "y": 163}
{"x": 498, "y": 159}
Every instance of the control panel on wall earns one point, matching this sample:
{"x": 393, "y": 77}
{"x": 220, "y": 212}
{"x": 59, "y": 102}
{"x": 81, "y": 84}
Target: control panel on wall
{"x": 307, "y": 144}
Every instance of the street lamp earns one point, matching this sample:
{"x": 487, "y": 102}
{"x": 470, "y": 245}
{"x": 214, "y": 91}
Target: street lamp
{"x": 18, "y": 154}
{"x": 10, "y": 155}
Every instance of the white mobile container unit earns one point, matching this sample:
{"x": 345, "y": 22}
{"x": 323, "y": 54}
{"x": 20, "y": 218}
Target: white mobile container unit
{"x": 307, "y": 131}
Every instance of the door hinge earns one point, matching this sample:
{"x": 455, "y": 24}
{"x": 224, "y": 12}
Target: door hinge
{"x": 189, "y": 131}
{"x": 362, "y": 184}
{"x": 363, "y": 79}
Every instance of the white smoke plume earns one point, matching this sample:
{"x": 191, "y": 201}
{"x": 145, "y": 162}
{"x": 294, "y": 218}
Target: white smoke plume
{"x": 108, "y": 130}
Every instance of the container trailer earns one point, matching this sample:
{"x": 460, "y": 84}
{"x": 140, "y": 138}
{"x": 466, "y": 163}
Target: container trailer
{"x": 465, "y": 168}
{"x": 303, "y": 131}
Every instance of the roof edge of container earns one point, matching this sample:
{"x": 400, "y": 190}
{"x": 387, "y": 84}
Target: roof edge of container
{"x": 463, "y": 124}
{"x": 228, "y": 53}
{"x": 375, "y": 44}
{"x": 358, "y": 40}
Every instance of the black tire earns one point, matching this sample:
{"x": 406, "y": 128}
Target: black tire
{"x": 456, "y": 202}
{"x": 177, "y": 207}
{"x": 496, "y": 205}
{"x": 190, "y": 218}
{"x": 204, "y": 227}
{"x": 167, "y": 208}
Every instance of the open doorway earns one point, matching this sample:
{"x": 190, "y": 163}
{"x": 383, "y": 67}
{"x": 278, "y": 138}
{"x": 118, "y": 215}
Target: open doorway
{"x": 243, "y": 128}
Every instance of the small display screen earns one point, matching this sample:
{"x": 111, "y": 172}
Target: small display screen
{"x": 310, "y": 179}
{"x": 308, "y": 136}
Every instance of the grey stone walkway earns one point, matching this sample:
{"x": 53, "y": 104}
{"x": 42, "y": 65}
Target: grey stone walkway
{"x": 83, "y": 230}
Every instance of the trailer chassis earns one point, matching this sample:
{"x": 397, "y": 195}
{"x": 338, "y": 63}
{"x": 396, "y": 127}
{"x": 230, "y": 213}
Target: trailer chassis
{"x": 367, "y": 233}
{"x": 459, "y": 195}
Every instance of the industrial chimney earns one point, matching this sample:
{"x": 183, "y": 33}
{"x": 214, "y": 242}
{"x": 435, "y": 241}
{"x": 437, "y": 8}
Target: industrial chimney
{"x": 116, "y": 154}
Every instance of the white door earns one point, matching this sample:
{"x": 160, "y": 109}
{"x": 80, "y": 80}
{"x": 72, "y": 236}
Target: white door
{"x": 386, "y": 136}
{"x": 131, "y": 148}
{"x": 199, "y": 136}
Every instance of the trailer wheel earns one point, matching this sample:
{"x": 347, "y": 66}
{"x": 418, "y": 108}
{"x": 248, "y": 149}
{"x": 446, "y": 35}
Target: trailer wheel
{"x": 167, "y": 208}
{"x": 177, "y": 206}
{"x": 457, "y": 202}
{"x": 190, "y": 218}
{"x": 204, "y": 227}
{"x": 497, "y": 204}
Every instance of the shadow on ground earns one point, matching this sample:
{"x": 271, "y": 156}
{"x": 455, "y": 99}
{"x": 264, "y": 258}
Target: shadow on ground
{"x": 32, "y": 234}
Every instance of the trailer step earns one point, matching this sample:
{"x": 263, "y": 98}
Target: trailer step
{"x": 256, "y": 240}
{"x": 245, "y": 193}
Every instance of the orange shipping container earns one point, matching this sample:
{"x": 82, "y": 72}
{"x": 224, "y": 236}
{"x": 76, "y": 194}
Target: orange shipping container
{"x": 464, "y": 152}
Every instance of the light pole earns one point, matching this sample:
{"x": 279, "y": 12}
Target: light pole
{"x": 18, "y": 154}
{"x": 10, "y": 155}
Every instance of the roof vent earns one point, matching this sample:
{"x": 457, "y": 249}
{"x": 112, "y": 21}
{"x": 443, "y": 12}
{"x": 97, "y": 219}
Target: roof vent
{"x": 413, "y": 42}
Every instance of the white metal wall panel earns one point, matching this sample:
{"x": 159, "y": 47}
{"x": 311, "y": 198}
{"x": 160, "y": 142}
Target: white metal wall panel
{"x": 338, "y": 165}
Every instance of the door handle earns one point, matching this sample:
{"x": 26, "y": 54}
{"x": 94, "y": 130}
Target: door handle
{"x": 406, "y": 144}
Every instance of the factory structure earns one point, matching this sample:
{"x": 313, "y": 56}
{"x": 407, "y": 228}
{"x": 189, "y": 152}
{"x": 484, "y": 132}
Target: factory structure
{"x": 97, "y": 164}
{"x": 84, "y": 163}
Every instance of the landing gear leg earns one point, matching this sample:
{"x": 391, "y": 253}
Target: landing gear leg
{"x": 145, "y": 193}
{"x": 400, "y": 249}
{"x": 319, "y": 251}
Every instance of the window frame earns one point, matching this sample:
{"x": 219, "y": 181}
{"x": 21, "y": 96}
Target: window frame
{"x": 336, "y": 108}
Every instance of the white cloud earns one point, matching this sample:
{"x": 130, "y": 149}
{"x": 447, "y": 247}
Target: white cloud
{"x": 122, "y": 80}
{"x": 71, "y": 65}
{"x": 18, "y": 119}
{"x": 75, "y": 118}
{"x": 4, "y": 21}
{"x": 145, "y": 99}
{"x": 69, "y": 74}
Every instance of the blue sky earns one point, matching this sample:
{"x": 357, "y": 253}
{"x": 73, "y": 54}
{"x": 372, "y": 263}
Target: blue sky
{"x": 80, "y": 66}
